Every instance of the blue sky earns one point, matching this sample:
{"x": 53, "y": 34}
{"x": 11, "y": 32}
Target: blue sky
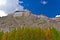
{"x": 50, "y": 9}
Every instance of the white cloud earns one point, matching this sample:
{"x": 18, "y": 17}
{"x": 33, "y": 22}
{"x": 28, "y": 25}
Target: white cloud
{"x": 20, "y": 8}
{"x": 2, "y": 13}
{"x": 11, "y": 6}
{"x": 2, "y": 2}
{"x": 44, "y": 2}
{"x": 57, "y": 16}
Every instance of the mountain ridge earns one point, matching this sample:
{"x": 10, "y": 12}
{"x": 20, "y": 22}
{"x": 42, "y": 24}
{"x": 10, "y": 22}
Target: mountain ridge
{"x": 27, "y": 19}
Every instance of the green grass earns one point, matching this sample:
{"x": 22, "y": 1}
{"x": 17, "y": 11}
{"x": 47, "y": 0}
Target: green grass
{"x": 31, "y": 33}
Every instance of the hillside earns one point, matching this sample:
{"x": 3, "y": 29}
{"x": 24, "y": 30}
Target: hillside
{"x": 27, "y": 19}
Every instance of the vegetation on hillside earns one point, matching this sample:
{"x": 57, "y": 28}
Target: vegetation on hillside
{"x": 31, "y": 33}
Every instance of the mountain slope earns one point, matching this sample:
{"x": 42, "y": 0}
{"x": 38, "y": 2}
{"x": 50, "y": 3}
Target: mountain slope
{"x": 27, "y": 19}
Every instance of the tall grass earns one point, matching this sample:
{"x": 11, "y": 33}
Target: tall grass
{"x": 31, "y": 33}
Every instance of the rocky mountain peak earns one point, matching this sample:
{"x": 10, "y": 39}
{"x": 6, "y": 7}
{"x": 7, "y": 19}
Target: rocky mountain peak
{"x": 28, "y": 19}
